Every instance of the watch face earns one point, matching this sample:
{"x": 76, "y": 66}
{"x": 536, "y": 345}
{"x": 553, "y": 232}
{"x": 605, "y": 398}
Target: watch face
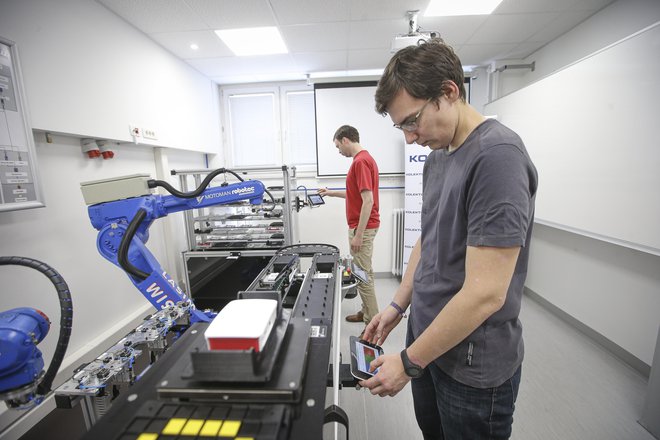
{"x": 414, "y": 372}
{"x": 410, "y": 368}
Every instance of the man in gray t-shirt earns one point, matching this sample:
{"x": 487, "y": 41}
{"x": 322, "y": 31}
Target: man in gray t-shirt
{"x": 465, "y": 276}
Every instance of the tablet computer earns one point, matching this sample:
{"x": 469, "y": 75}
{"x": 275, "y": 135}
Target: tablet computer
{"x": 362, "y": 354}
{"x": 315, "y": 199}
{"x": 359, "y": 273}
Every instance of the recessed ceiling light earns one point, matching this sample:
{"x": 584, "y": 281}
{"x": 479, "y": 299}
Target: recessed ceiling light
{"x": 193, "y": 46}
{"x": 446, "y": 8}
{"x": 253, "y": 41}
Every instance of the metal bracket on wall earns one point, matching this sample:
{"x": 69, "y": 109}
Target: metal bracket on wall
{"x": 531, "y": 65}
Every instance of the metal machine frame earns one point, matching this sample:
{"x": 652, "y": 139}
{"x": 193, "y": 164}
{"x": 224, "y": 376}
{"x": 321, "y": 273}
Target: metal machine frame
{"x": 288, "y": 176}
{"x": 279, "y": 407}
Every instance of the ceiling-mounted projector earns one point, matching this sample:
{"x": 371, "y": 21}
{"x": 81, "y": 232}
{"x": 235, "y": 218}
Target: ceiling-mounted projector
{"x": 414, "y": 37}
{"x": 404, "y": 40}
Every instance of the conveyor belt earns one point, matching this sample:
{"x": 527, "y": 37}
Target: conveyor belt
{"x": 168, "y": 403}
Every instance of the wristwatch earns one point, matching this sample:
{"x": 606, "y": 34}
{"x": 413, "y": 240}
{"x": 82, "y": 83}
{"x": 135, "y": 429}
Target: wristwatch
{"x": 413, "y": 370}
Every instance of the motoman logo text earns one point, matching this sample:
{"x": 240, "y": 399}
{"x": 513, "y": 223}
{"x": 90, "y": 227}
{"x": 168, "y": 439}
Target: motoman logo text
{"x": 244, "y": 190}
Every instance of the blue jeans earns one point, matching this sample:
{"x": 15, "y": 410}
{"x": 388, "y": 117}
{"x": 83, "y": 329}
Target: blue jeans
{"x": 449, "y": 410}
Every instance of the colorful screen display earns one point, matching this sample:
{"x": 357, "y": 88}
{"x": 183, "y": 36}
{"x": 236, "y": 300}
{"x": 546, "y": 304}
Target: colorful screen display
{"x": 365, "y": 355}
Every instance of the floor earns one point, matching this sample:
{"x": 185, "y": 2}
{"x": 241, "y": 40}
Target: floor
{"x": 571, "y": 388}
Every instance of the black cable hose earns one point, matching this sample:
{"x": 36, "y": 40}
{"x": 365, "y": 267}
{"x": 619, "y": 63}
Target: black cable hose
{"x": 202, "y": 186}
{"x": 122, "y": 255}
{"x": 66, "y": 314}
{"x": 272, "y": 199}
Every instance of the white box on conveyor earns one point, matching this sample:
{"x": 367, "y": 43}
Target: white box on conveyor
{"x": 242, "y": 324}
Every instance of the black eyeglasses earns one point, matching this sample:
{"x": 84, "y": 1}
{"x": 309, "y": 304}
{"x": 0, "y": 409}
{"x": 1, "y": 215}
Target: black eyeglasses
{"x": 411, "y": 124}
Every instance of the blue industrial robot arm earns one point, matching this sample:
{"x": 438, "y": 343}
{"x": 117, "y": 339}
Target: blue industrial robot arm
{"x": 21, "y": 363}
{"x": 23, "y": 383}
{"x": 123, "y": 227}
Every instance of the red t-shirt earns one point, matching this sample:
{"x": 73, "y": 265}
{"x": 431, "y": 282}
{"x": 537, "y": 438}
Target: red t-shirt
{"x": 363, "y": 175}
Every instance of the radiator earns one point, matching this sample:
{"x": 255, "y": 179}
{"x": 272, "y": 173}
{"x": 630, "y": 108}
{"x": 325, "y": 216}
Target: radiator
{"x": 398, "y": 216}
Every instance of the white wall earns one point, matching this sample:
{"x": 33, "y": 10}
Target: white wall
{"x": 479, "y": 87}
{"x": 89, "y": 73}
{"x": 619, "y": 20}
{"x": 611, "y": 289}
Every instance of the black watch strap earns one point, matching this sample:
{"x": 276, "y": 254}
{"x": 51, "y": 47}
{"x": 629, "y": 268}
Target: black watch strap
{"x": 413, "y": 370}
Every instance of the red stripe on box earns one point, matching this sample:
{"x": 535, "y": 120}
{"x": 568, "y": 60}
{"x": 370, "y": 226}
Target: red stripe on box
{"x": 234, "y": 343}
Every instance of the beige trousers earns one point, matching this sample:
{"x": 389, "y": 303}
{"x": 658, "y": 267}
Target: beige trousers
{"x": 363, "y": 259}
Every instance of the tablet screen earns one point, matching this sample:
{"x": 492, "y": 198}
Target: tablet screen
{"x": 365, "y": 355}
{"x": 315, "y": 199}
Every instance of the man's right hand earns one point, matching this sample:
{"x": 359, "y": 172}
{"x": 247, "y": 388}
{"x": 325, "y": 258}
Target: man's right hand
{"x": 325, "y": 192}
{"x": 381, "y": 325}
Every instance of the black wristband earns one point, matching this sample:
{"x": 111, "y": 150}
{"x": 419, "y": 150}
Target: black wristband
{"x": 412, "y": 369}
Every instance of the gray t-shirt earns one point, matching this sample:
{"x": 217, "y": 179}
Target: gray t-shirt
{"x": 481, "y": 194}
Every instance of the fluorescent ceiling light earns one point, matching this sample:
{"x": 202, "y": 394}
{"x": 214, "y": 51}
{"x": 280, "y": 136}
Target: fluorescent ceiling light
{"x": 292, "y": 76}
{"x": 253, "y": 41}
{"x": 342, "y": 73}
{"x": 194, "y": 46}
{"x": 247, "y": 79}
{"x": 446, "y": 8}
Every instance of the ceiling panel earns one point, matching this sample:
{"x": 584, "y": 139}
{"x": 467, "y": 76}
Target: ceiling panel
{"x": 533, "y": 6}
{"x": 527, "y": 6}
{"x": 336, "y": 35}
{"x": 243, "y": 65}
{"x": 499, "y": 29}
{"x": 367, "y": 59}
{"x": 315, "y": 36}
{"x": 210, "y": 46}
{"x": 454, "y": 30}
{"x": 310, "y": 11}
{"x": 523, "y": 50}
{"x": 321, "y": 61}
{"x": 364, "y": 10}
{"x": 562, "y": 24}
{"x": 232, "y": 14}
{"x": 479, "y": 54}
{"x": 371, "y": 34}
{"x": 156, "y": 15}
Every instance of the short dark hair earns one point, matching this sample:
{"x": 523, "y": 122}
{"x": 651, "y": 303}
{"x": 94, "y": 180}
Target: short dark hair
{"x": 346, "y": 131}
{"x": 422, "y": 71}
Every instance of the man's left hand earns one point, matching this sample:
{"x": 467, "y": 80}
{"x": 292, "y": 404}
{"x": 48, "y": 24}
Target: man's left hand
{"x": 391, "y": 377}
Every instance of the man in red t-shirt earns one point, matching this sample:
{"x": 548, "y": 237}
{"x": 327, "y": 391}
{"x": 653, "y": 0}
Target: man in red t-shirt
{"x": 361, "y": 213}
